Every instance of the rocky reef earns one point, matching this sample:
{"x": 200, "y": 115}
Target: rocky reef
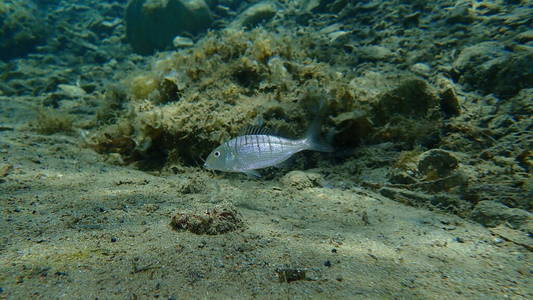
{"x": 427, "y": 104}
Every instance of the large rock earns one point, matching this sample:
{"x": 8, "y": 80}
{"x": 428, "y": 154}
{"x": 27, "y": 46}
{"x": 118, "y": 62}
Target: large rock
{"x": 255, "y": 15}
{"x": 437, "y": 163}
{"x": 491, "y": 68}
{"x": 21, "y": 28}
{"x": 492, "y": 213}
{"x": 153, "y": 24}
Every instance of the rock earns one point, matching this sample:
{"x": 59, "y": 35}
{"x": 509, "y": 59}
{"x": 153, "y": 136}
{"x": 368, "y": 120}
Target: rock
{"x": 325, "y": 6}
{"x": 182, "y": 42}
{"x": 254, "y": 15}
{"x": 515, "y": 236}
{"x": 413, "y": 98}
{"x": 408, "y": 114}
{"x": 492, "y": 213}
{"x": 374, "y": 53}
{"x": 212, "y": 221}
{"x": 421, "y": 69}
{"x": 491, "y": 68}
{"x": 437, "y": 163}
{"x": 461, "y": 13}
{"x": 520, "y": 106}
{"x": 352, "y": 127}
{"x": 524, "y": 37}
{"x": 449, "y": 101}
{"x": 22, "y": 28}
{"x": 398, "y": 176}
{"x": 5, "y": 169}
{"x": 72, "y": 91}
{"x": 301, "y": 180}
{"x": 153, "y": 24}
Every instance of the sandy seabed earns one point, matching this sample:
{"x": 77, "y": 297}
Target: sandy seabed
{"x": 76, "y": 227}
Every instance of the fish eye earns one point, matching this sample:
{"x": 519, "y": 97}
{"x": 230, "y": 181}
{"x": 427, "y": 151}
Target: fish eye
{"x": 216, "y": 154}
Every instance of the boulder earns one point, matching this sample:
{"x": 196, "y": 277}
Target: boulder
{"x": 437, "y": 163}
{"x": 254, "y": 15}
{"x": 22, "y": 28}
{"x": 492, "y": 213}
{"x": 153, "y": 24}
{"x": 491, "y": 68}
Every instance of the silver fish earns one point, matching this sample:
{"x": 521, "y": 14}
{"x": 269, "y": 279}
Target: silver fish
{"x": 258, "y": 149}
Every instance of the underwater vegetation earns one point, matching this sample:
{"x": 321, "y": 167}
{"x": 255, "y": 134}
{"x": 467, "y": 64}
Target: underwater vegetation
{"x": 192, "y": 100}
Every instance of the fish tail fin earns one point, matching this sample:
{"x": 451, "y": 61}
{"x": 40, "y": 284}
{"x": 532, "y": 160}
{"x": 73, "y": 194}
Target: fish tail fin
{"x": 312, "y": 138}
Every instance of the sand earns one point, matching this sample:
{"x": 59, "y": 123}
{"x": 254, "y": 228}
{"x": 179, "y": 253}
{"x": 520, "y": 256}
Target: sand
{"x": 75, "y": 227}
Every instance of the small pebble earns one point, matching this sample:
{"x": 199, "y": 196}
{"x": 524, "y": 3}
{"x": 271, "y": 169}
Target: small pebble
{"x": 113, "y": 239}
{"x": 459, "y": 240}
{"x": 498, "y": 240}
{"x": 334, "y": 250}
{"x": 327, "y": 263}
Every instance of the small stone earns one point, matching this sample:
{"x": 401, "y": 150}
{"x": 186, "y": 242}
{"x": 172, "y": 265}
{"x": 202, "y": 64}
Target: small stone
{"x": 421, "y": 69}
{"x": 498, "y": 240}
{"x": 437, "y": 163}
{"x": 374, "y": 53}
{"x": 460, "y": 14}
{"x": 72, "y": 91}
{"x": 113, "y": 239}
{"x": 182, "y": 42}
{"x": 254, "y": 15}
{"x": 459, "y": 240}
{"x": 327, "y": 263}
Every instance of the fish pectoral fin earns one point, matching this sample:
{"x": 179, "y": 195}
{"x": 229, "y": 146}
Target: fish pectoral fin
{"x": 252, "y": 173}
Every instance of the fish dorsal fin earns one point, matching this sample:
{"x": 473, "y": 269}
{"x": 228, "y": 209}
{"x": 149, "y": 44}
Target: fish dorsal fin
{"x": 256, "y": 130}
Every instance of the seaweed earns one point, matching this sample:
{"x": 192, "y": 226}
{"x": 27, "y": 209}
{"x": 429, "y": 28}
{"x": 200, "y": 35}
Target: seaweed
{"x": 50, "y": 121}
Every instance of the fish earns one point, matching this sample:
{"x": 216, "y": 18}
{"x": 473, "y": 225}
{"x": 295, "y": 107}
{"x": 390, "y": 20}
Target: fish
{"x": 258, "y": 148}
